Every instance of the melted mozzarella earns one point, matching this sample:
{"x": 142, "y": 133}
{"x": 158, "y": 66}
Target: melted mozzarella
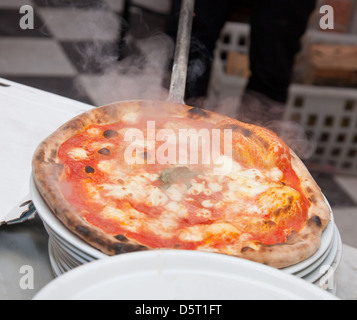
{"x": 221, "y": 229}
{"x": 207, "y": 204}
{"x": 133, "y": 188}
{"x": 78, "y": 154}
{"x": 175, "y": 192}
{"x": 164, "y": 226}
{"x": 131, "y": 117}
{"x": 177, "y": 208}
{"x": 156, "y": 198}
{"x": 247, "y": 188}
{"x": 192, "y": 234}
{"x": 215, "y": 187}
{"x": 130, "y": 219}
{"x": 196, "y": 188}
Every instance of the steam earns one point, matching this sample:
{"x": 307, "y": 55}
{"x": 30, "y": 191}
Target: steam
{"x": 295, "y": 137}
{"x": 140, "y": 76}
{"x": 145, "y": 74}
{"x": 257, "y": 109}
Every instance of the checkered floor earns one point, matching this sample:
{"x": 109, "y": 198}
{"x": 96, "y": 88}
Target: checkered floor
{"x": 72, "y": 51}
{"x": 73, "y": 44}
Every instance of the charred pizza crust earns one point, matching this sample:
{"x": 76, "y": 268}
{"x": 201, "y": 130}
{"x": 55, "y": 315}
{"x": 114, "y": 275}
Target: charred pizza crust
{"x": 47, "y": 171}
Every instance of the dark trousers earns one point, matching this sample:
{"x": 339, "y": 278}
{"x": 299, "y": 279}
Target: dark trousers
{"x": 276, "y": 30}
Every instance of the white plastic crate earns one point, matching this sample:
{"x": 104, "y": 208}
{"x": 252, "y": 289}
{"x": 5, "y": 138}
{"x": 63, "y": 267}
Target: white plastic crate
{"x": 328, "y": 115}
{"x": 234, "y": 37}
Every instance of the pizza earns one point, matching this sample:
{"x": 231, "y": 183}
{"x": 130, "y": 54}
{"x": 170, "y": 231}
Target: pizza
{"x": 144, "y": 175}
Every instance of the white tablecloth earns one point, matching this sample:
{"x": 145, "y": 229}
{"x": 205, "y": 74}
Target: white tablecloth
{"x": 27, "y": 117}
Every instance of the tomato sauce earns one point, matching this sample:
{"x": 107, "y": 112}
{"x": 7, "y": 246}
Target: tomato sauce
{"x": 85, "y": 171}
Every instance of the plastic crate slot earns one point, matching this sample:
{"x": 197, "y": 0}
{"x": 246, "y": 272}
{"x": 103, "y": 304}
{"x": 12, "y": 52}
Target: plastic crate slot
{"x": 325, "y": 137}
{"x": 242, "y": 41}
{"x": 227, "y": 39}
{"x": 352, "y": 153}
{"x": 341, "y": 138}
{"x": 347, "y": 165}
{"x": 345, "y": 122}
{"x": 296, "y": 117}
{"x": 329, "y": 121}
{"x": 320, "y": 151}
{"x": 224, "y": 55}
{"x": 336, "y": 152}
{"x": 350, "y": 105}
{"x": 312, "y": 120}
{"x": 299, "y": 102}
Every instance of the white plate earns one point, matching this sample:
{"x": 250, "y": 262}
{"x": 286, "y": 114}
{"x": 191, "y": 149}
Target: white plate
{"x": 182, "y": 275}
{"x": 65, "y": 257}
{"x": 332, "y": 261}
{"x": 74, "y": 252}
{"x": 53, "y": 260}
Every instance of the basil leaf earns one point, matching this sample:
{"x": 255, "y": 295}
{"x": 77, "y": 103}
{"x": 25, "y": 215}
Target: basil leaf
{"x": 179, "y": 174}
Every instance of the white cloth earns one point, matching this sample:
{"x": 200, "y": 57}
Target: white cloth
{"x": 27, "y": 117}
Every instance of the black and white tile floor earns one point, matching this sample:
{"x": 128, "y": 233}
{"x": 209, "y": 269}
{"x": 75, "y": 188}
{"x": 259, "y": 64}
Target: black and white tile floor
{"x": 73, "y": 46}
{"x": 71, "y": 43}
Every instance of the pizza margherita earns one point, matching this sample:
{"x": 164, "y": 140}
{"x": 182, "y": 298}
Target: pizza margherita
{"x": 151, "y": 175}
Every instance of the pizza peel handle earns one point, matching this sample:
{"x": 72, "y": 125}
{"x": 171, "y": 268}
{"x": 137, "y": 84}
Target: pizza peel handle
{"x": 179, "y": 71}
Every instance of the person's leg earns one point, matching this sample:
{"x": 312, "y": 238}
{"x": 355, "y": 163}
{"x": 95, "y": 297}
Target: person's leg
{"x": 276, "y": 30}
{"x": 210, "y": 17}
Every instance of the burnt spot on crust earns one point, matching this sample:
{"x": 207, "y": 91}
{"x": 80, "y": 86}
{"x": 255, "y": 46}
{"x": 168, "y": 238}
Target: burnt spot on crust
{"x": 89, "y": 169}
{"x": 309, "y": 190}
{"x": 196, "y": 113}
{"x": 110, "y": 134}
{"x": 231, "y": 126}
{"x": 53, "y": 153}
{"x": 83, "y": 231}
{"x": 247, "y": 133}
{"x": 313, "y": 199}
{"x": 120, "y": 248}
{"x": 73, "y": 125}
{"x": 237, "y": 128}
{"x": 121, "y": 238}
{"x": 265, "y": 144}
{"x": 291, "y": 238}
{"x": 316, "y": 220}
{"x": 104, "y": 152}
{"x": 40, "y": 155}
{"x": 246, "y": 249}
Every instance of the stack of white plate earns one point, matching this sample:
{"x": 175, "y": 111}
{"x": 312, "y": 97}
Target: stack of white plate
{"x": 68, "y": 252}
